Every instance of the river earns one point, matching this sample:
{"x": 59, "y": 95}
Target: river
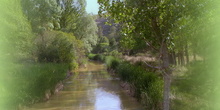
{"x": 90, "y": 88}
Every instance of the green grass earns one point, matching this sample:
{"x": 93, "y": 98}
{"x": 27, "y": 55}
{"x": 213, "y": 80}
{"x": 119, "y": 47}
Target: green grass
{"x": 26, "y": 83}
{"x": 195, "y": 85}
{"x": 144, "y": 82}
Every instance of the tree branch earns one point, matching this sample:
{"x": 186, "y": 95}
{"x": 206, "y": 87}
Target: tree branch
{"x": 155, "y": 67}
{"x": 150, "y": 45}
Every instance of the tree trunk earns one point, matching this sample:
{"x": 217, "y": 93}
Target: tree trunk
{"x": 166, "y": 93}
{"x": 171, "y": 58}
{"x": 174, "y": 58}
{"x": 167, "y": 77}
{"x": 187, "y": 53}
{"x": 179, "y": 58}
{"x": 194, "y": 56}
{"x": 182, "y": 61}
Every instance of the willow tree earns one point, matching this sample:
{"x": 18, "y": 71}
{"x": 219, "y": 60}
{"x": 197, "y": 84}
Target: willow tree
{"x": 156, "y": 22}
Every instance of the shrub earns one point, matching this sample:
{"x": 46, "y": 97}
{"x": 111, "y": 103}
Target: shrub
{"x": 115, "y": 53}
{"x": 91, "y": 56}
{"x": 73, "y": 65}
{"x": 99, "y": 57}
{"x": 145, "y": 82}
{"x": 114, "y": 63}
{"x": 108, "y": 61}
{"x": 55, "y": 46}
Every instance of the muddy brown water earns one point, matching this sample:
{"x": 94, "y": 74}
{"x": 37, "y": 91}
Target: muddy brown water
{"x": 91, "y": 88}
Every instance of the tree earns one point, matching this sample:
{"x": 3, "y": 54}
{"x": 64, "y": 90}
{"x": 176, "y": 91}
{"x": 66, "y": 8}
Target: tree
{"x": 113, "y": 32}
{"x": 86, "y": 30}
{"x": 148, "y": 20}
{"x": 112, "y": 44}
{"x": 43, "y": 14}
{"x": 157, "y": 22}
{"x": 75, "y": 20}
{"x": 102, "y": 45}
{"x": 72, "y": 11}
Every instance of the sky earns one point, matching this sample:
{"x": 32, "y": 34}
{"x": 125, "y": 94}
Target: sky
{"x": 92, "y": 6}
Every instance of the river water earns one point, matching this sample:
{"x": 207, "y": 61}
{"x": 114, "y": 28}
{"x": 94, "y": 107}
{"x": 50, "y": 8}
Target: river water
{"x": 90, "y": 88}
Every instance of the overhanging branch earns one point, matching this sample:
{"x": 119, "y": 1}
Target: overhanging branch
{"x": 155, "y": 67}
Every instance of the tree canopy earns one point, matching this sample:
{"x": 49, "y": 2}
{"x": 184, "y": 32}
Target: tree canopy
{"x": 166, "y": 26}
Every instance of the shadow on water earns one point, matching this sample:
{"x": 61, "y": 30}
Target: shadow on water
{"x": 91, "y": 88}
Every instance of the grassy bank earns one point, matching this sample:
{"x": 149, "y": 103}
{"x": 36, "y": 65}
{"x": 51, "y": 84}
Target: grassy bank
{"x": 197, "y": 85}
{"x": 148, "y": 87}
{"x": 26, "y": 83}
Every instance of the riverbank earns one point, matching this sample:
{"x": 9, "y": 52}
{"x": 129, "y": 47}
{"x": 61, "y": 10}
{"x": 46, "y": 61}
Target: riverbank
{"x": 26, "y": 83}
{"x": 90, "y": 88}
{"x": 143, "y": 84}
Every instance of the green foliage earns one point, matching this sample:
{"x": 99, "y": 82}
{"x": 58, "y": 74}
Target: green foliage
{"x": 70, "y": 16}
{"x": 197, "y": 85}
{"x": 145, "y": 82}
{"x": 23, "y": 79}
{"x": 111, "y": 62}
{"x": 74, "y": 19}
{"x": 73, "y": 65}
{"x": 148, "y": 86}
{"x": 86, "y": 30}
{"x": 102, "y": 46}
{"x": 99, "y": 57}
{"x": 58, "y": 47}
{"x": 54, "y": 47}
{"x": 115, "y": 53}
{"x": 91, "y": 56}
{"x": 113, "y": 32}
{"x": 114, "y": 63}
{"x": 27, "y": 82}
{"x": 16, "y": 37}
{"x": 170, "y": 26}
{"x": 43, "y": 14}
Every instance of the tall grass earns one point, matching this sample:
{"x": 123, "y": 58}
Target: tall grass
{"x": 197, "y": 85}
{"x": 148, "y": 85}
{"x": 26, "y": 83}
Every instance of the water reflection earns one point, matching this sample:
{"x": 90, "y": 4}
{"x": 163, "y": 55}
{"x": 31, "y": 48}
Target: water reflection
{"x": 92, "y": 88}
{"x": 106, "y": 100}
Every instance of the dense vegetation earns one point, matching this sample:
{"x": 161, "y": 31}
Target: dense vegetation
{"x": 42, "y": 40}
{"x": 178, "y": 33}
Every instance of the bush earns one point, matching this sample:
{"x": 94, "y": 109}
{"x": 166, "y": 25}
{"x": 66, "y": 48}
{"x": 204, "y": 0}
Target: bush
{"x": 55, "y": 46}
{"x": 91, "y": 56}
{"x": 74, "y": 65}
{"x": 115, "y": 53}
{"x": 99, "y": 57}
{"x": 108, "y": 61}
{"x": 114, "y": 64}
